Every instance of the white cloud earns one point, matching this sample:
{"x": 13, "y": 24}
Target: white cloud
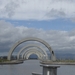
{"x": 37, "y": 9}
{"x": 59, "y": 40}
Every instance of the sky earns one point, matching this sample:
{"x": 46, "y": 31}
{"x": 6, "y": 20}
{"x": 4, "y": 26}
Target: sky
{"x": 50, "y": 20}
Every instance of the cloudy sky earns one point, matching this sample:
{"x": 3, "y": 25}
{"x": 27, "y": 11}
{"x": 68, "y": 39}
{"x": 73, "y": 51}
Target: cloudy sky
{"x": 50, "y": 20}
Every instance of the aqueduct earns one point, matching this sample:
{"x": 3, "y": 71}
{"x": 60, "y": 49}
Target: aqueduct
{"x": 28, "y": 52}
{"x": 28, "y": 46}
{"x": 35, "y": 50}
{"x": 32, "y": 39}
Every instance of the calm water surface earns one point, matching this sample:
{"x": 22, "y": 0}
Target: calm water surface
{"x": 30, "y": 66}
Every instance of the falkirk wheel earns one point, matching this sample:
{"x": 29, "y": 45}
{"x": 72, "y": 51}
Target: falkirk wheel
{"x": 28, "y": 46}
{"x": 30, "y": 50}
{"x": 53, "y": 58}
{"x": 33, "y": 51}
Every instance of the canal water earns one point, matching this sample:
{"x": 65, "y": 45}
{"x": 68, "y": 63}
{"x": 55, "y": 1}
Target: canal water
{"x": 30, "y": 66}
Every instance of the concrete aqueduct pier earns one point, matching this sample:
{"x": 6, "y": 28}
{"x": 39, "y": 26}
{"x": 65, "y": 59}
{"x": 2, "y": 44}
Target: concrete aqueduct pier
{"x": 53, "y": 58}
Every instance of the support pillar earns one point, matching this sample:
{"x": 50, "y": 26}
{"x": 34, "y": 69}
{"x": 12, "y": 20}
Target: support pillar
{"x": 50, "y": 69}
